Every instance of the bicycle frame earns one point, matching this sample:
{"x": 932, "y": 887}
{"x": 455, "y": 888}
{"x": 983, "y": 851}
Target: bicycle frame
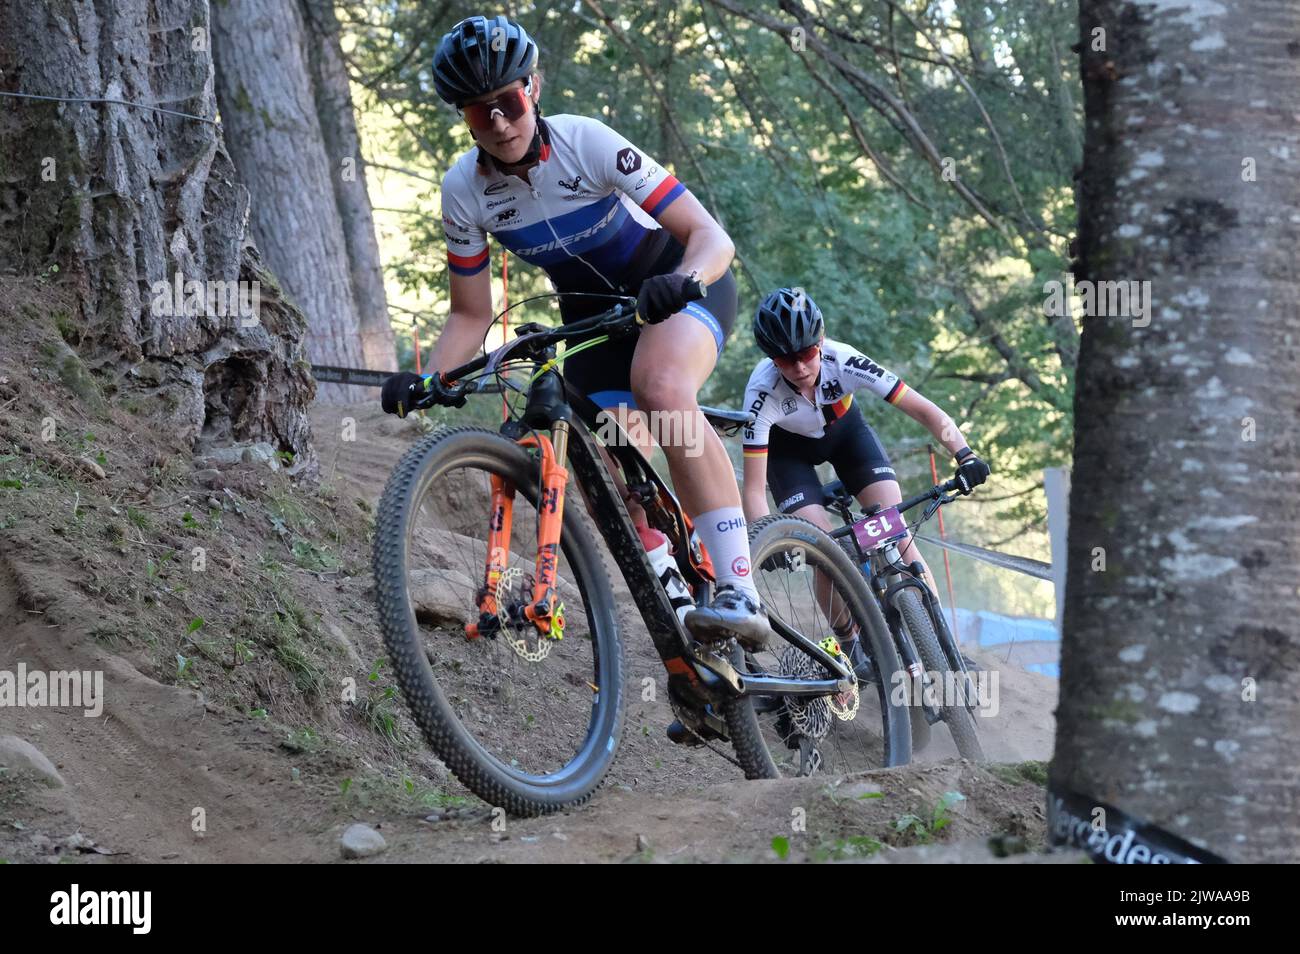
{"x": 888, "y": 576}
{"x": 698, "y": 675}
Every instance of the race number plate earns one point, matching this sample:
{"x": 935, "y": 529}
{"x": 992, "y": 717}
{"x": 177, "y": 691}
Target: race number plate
{"x": 878, "y": 528}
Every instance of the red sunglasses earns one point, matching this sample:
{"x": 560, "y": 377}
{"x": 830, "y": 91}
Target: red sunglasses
{"x": 799, "y": 357}
{"x": 512, "y": 104}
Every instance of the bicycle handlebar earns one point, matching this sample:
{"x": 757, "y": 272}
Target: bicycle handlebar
{"x": 615, "y": 321}
{"x": 934, "y": 493}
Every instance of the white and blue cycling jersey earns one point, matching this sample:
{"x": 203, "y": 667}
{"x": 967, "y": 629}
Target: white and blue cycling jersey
{"x": 586, "y": 214}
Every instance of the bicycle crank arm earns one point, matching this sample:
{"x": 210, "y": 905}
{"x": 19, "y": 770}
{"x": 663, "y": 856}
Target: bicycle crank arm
{"x": 777, "y": 686}
{"x": 704, "y": 656}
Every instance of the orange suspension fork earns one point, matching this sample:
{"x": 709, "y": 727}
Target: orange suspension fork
{"x": 546, "y": 611}
{"x": 499, "y": 522}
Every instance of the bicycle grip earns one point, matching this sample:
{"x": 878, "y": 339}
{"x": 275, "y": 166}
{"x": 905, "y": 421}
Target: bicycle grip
{"x": 694, "y": 289}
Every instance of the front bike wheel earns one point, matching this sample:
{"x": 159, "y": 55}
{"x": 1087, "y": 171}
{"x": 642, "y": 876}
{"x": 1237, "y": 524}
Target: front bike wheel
{"x": 527, "y": 723}
{"x": 956, "y": 715}
{"x": 808, "y": 584}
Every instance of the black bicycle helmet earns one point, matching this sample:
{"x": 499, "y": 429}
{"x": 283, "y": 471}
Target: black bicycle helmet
{"x": 787, "y": 321}
{"x": 479, "y": 55}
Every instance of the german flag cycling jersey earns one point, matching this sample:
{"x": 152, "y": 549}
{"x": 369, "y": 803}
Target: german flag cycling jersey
{"x": 587, "y": 214}
{"x": 772, "y": 400}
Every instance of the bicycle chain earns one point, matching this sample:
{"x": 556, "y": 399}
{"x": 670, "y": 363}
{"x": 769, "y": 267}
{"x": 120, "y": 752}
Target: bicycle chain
{"x": 703, "y": 741}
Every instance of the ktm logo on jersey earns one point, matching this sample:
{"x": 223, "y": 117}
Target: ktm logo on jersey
{"x": 865, "y": 365}
{"x": 627, "y": 161}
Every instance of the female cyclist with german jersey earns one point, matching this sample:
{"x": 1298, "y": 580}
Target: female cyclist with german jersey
{"x": 601, "y": 217}
{"x": 803, "y": 414}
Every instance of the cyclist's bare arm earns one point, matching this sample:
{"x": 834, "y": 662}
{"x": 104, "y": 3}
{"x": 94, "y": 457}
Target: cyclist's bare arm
{"x": 933, "y": 418}
{"x": 709, "y": 249}
{"x": 469, "y": 320}
{"x": 754, "y": 497}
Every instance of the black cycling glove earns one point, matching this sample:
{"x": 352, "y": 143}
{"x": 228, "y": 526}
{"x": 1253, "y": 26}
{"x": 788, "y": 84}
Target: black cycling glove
{"x": 405, "y": 392}
{"x": 971, "y": 471}
{"x": 661, "y": 297}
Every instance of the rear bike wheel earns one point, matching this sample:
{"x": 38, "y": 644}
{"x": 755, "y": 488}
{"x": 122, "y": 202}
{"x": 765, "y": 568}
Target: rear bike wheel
{"x": 525, "y": 722}
{"x": 812, "y": 587}
{"x": 955, "y": 713}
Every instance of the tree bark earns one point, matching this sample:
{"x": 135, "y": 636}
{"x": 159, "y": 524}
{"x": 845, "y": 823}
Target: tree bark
{"x": 1187, "y": 443}
{"x": 272, "y": 108}
{"x": 127, "y": 201}
{"x": 339, "y": 129}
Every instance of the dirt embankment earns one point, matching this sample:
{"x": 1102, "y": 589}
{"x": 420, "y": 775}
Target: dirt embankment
{"x": 247, "y": 714}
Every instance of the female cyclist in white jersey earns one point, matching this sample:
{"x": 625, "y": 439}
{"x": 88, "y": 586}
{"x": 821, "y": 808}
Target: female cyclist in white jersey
{"x": 600, "y": 217}
{"x": 801, "y": 400}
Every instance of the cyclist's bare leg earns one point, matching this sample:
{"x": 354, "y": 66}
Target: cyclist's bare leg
{"x": 672, "y": 361}
{"x": 887, "y": 493}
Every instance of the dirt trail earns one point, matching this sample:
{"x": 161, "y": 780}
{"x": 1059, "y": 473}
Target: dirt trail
{"x": 134, "y": 778}
{"x": 157, "y": 776}
{"x": 1021, "y": 728}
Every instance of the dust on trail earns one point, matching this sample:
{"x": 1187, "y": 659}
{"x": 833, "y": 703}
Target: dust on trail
{"x": 162, "y": 756}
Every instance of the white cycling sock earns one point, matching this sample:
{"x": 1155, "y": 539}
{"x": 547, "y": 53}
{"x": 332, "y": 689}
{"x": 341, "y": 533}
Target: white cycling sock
{"x": 723, "y": 534}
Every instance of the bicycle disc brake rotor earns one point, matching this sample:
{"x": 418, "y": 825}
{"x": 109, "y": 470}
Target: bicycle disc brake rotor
{"x": 514, "y": 588}
{"x": 845, "y": 704}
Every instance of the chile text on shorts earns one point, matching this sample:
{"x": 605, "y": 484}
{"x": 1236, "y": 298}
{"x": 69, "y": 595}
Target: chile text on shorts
{"x": 671, "y": 428}
{"x": 59, "y": 689}
{"x": 944, "y": 689}
{"x": 218, "y": 299}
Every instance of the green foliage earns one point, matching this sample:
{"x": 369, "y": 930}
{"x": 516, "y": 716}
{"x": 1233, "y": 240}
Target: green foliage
{"x": 909, "y": 270}
{"x": 921, "y": 829}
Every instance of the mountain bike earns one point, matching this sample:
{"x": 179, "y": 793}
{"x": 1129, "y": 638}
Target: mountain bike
{"x": 498, "y": 613}
{"x": 941, "y": 688}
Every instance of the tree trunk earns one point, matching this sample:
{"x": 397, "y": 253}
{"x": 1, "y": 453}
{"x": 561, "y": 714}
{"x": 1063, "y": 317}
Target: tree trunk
{"x": 128, "y": 201}
{"x": 1180, "y": 675}
{"x": 282, "y": 89}
{"x": 339, "y": 129}
{"x": 975, "y": 29}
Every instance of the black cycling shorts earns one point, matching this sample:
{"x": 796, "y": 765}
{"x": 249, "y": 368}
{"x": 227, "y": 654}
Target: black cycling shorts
{"x": 849, "y": 445}
{"x": 604, "y": 372}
